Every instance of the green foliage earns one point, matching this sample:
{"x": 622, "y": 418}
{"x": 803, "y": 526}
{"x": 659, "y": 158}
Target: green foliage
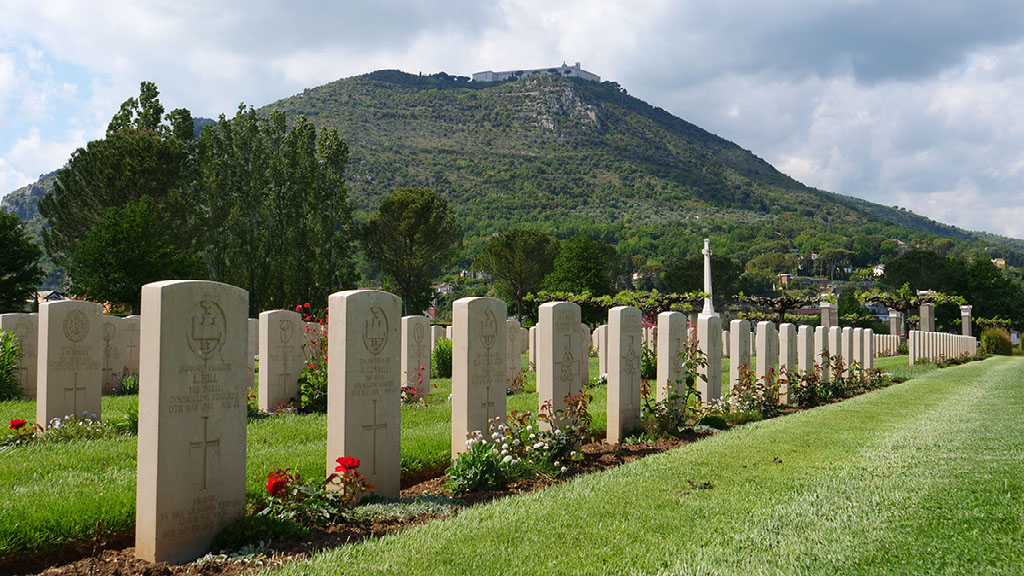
{"x": 313, "y": 388}
{"x": 412, "y": 237}
{"x": 752, "y": 395}
{"x": 279, "y": 222}
{"x": 20, "y": 262}
{"x": 441, "y": 359}
{"x": 481, "y": 467}
{"x": 648, "y": 362}
{"x": 138, "y": 157}
{"x": 518, "y": 259}
{"x": 996, "y": 341}
{"x": 10, "y": 355}
{"x": 584, "y": 265}
{"x": 127, "y": 248}
{"x": 127, "y": 384}
{"x": 250, "y": 530}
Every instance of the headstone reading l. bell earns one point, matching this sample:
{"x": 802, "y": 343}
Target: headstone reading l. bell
{"x": 558, "y": 349}
{"x": 416, "y": 353}
{"x": 364, "y": 385}
{"x": 282, "y": 333}
{"x": 25, "y": 328}
{"x": 623, "y": 372}
{"x": 479, "y": 373}
{"x": 70, "y": 378}
{"x": 192, "y": 408}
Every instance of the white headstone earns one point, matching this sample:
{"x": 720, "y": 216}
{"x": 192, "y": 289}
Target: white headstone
{"x": 364, "y": 376}
{"x": 115, "y": 345}
{"x": 69, "y": 364}
{"x": 767, "y": 345}
{"x": 623, "y": 372}
{"x": 26, "y": 328}
{"x": 805, "y": 349}
{"x": 739, "y": 336}
{"x": 709, "y": 340}
{"x": 252, "y": 348}
{"x": 479, "y": 360}
{"x": 416, "y": 353}
{"x": 787, "y": 357}
{"x": 671, "y": 346}
{"x": 282, "y": 333}
{"x": 584, "y": 356}
{"x": 558, "y": 368}
{"x": 132, "y": 325}
{"x": 514, "y": 358}
{"x": 192, "y": 405}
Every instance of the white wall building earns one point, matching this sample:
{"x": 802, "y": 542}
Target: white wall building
{"x": 563, "y": 70}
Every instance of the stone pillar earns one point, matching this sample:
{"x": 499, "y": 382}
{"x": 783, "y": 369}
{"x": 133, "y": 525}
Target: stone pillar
{"x": 671, "y": 344}
{"x": 623, "y": 372}
{"x": 558, "y": 368}
{"x": 739, "y": 336}
{"x": 927, "y": 315}
{"x": 364, "y": 377}
{"x": 70, "y": 379}
{"x": 415, "y": 354}
{"x": 709, "y": 340}
{"x": 479, "y": 359}
{"x": 26, "y": 328}
{"x": 895, "y": 322}
{"x": 965, "y": 321}
{"x": 826, "y": 315}
{"x": 767, "y": 347}
{"x": 281, "y": 357}
{"x": 192, "y": 405}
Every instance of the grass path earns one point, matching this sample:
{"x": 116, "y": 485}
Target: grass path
{"x": 924, "y": 477}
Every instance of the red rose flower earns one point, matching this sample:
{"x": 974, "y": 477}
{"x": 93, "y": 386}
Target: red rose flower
{"x": 17, "y": 424}
{"x": 347, "y": 463}
{"x": 278, "y": 482}
{"x": 306, "y": 305}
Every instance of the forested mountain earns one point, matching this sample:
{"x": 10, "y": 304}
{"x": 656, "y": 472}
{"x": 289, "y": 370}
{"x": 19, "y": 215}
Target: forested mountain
{"x": 567, "y": 155}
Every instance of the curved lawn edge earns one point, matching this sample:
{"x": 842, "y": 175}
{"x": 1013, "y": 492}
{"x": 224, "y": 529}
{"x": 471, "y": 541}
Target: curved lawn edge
{"x": 886, "y": 481}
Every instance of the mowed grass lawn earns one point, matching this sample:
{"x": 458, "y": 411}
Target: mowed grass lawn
{"x": 923, "y": 477}
{"x": 56, "y": 493}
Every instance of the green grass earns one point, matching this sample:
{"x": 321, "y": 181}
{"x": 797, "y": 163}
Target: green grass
{"x": 921, "y": 477}
{"x": 58, "y": 492}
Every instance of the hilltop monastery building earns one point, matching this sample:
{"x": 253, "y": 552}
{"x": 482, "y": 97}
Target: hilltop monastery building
{"x": 563, "y": 70}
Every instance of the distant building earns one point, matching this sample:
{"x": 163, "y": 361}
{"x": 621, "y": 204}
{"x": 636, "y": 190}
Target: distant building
{"x": 878, "y": 269}
{"x": 999, "y": 262}
{"x": 563, "y": 70}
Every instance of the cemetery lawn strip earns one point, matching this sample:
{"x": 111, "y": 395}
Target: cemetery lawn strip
{"x": 920, "y": 477}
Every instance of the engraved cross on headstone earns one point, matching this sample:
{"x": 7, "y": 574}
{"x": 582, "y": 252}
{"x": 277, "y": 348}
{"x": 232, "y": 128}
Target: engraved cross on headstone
{"x": 568, "y": 364}
{"x": 488, "y": 404}
{"x": 205, "y": 444}
{"x": 372, "y": 428}
{"x": 131, "y": 348}
{"x": 74, "y": 389}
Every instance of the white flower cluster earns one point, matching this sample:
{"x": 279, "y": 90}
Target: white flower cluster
{"x": 498, "y": 440}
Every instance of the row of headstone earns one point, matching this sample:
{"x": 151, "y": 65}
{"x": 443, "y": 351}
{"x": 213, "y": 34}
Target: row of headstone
{"x": 934, "y": 345}
{"x": 116, "y": 349}
{"x": 887, "y": 344}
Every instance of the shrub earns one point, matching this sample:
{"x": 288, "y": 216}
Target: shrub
{"x": 648, "y": 363}
{"x": 668, "y": 417}
{"x": 441, "y": 359}
{"x": 996, "y": 340}
{"x": 752, "y": 395}
{"x": 127, "y": 384}
{"x": 10, "y": 353}
{"x": 313, "y": 388}
{"x": 485, "y": 466}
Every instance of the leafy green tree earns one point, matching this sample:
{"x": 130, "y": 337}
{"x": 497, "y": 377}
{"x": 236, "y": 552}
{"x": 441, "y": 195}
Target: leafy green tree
{"x": 923, "y": 270}
{"x": 519, "y": 259}
{"x": 584, "y": 265}
{"x": 992, "y": 292}
{"x": 20, "y": 271}
{"x": 129, "y": 248}
{"x": 279, "y": 221}
{"x": 139, "y": 157}
{"x": 412, "y": 236}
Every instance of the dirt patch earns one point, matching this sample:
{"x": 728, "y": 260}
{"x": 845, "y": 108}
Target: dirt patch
{"x": 114, "y": 555}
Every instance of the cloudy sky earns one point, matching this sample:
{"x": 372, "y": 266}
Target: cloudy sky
{"x": 918, "y": 104}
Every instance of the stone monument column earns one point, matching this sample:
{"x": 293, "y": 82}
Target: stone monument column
{"x": 709, "y": 308}
{"x": 965, "y": 320}
{"x": 927, "y": 316}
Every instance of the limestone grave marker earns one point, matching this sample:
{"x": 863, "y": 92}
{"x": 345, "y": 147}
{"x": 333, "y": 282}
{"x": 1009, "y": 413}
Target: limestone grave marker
{"x": 739, "y": 336}
{"x": 115, "y": 346}
{"x": 192, "y": 416}
{"x": 26, "y": 328}
{"x": 479, "y": 371}
{"x": 69, "y": 361}
{"x": 671, "y": 345}
{"x": 282, "y": 333}
{"x": 416, "y": 336}
{"x": 558, "y": 349}
{"x": 624, "y": 323}
{"x": 709, "y": 340}
{"x": 364, "y": 385}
